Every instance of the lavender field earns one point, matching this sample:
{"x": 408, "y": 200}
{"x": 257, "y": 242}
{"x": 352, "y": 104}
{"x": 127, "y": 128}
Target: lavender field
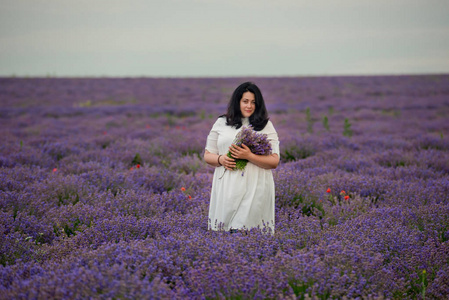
{"x": 104, "y": 193}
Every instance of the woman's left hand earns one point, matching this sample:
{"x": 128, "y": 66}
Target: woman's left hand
{"x": 242, "y": 152}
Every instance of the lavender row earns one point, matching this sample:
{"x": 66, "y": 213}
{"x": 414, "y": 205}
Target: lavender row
{"x": 104, "y": 193}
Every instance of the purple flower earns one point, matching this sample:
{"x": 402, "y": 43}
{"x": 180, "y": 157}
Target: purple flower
{"x": 257, "y": 142}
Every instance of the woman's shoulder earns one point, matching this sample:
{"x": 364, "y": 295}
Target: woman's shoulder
{"x": 221, "y": 121}
{"x": 269, "y": 126}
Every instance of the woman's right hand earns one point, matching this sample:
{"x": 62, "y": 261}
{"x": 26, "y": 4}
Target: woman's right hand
{"x": 227, "y": 162}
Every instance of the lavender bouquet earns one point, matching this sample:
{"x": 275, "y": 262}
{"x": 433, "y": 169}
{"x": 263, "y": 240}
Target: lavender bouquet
{"x": 257, "y": 142}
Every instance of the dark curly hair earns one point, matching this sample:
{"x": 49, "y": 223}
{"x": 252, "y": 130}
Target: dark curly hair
{"x": 258, "y": 119}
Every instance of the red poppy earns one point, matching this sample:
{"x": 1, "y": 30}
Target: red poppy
{"x": 328, "y": 190}
{"x": 190, "y": 197}
{"x": 183, "y": 189}
{"x": 342, "y": 192}
{"x": 54, "y": 170}
{"x": 346, "y": 197}
{"x": 138, "y": 166}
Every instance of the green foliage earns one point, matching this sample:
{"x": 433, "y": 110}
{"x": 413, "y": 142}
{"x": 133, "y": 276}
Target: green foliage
{"x": 299, "y": 287}
{"x": 87, "y": 103}
{"x": 113, "y": 124}
{"x": 424, "y": 283}
{"x": 137, "y": 160}
{"x": 240, "y": 164}
{"x": 309, "y": 120}
{"x": 68, "y": 196}
{"x": 15, "y": 211}
{"x": 443, "y": 236}
{"x": 417, "y": 286}
{"x": 309, "y": 205}
{"x": 192, "y": 150}
{"x": 170, "y": 120}
{"x": 391, "y": 112}
{"x": 347, "y": 131}
{"x": 70, "y": 228}
{"x": 326, "y": 123}
{"x": 296, "y": 152}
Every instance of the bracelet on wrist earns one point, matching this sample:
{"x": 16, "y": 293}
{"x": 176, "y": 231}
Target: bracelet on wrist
{"x": 219, "y": 160}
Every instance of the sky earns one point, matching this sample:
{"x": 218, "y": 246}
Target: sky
{"x": 221, "y": 38}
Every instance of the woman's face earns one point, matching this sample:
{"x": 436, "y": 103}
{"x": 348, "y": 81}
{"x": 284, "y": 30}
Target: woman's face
{"x": 247, "y": 104}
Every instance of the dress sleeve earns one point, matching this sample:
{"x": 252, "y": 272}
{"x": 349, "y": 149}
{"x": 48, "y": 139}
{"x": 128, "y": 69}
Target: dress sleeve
{"x": 273, "y": 138}
{"x": 212, "y": 138}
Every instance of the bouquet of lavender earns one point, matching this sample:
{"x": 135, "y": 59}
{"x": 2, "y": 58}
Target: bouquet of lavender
{"x": 257, "y": 142}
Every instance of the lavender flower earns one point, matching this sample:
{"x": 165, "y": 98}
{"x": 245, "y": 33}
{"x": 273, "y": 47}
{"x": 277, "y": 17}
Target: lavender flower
{"x": 97, "y": 229}
{"x": 257, "y": 142}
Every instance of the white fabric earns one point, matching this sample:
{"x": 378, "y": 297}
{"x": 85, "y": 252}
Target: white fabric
{"x": 240, "y": 199}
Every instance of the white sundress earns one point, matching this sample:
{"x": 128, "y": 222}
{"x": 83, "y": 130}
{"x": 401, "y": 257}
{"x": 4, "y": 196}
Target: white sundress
{"x": 240, "y": 199}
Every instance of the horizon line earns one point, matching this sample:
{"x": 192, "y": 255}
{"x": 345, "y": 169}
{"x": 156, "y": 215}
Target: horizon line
{"x": 222, "y": 76}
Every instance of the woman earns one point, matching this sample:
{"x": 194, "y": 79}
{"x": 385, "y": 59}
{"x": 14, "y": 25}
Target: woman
{"x": 242, "y": 200}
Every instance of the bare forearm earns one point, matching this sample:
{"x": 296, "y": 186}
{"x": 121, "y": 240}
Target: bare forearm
{"x": 264, "y": 161}
{"x": 211, "y": 159}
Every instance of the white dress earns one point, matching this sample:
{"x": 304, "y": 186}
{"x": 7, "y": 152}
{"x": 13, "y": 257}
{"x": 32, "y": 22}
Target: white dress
{"x": 240, "y": 199}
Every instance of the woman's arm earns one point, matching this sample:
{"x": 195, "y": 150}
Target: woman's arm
{"x": 264, "y": 161}
{"x": 213, "y": 159}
